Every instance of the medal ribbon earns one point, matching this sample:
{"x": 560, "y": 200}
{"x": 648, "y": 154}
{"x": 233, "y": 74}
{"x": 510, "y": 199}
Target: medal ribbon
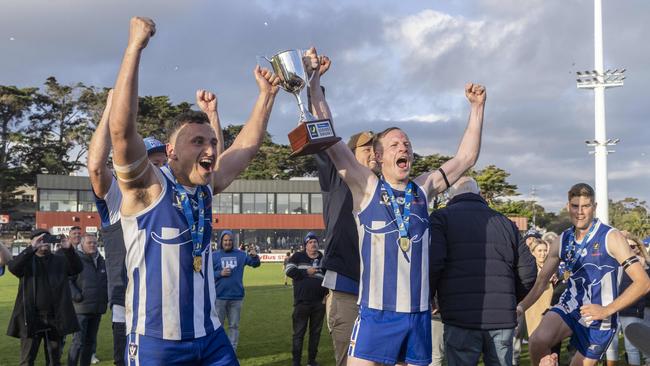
{"x": 573, "y": 249}
{"x": 196, "y": 228}
{"x": 402, "y": 220}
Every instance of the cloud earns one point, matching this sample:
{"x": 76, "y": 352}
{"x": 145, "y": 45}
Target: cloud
{"x": 394, "y": 63}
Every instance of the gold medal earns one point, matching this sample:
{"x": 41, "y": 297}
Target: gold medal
{"x": 198, "y": 263}
{"x": 566, "y": 275}
{"x": 405, "y": 244}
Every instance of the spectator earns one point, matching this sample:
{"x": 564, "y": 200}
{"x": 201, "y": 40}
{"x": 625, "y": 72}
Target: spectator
{"x": 90, "y": 297}
{"x": 228, "y": 264}
{"x": 5, "y": 257}
{"x": 43, "y": 307}
{"x": 74, "y": 236}
{"x": 308, "y": 294}
{"x": 534, "y": 314}
{"x": 477, "y": 260}
{"x": 633, "y": 313}
{"x": 530, "y": 235}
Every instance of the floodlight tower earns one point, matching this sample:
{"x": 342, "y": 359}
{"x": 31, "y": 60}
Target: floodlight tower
{"x": 599, "y": 80}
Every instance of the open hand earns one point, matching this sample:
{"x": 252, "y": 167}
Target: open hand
{"x": 593, "y": 312}
{"x": 206, "y": 101}
{"x": 475, "y": 93}
{"x": 140, "y": 31}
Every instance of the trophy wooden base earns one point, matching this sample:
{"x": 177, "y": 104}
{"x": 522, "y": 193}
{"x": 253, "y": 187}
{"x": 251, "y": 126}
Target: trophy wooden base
{"x": 311, "y": 137}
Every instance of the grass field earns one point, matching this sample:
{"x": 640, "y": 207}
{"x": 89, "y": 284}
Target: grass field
{"x": 265, "y": 337}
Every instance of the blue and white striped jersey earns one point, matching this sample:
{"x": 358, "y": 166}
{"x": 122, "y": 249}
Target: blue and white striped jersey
{"x": 392, "y": 279}
{"x": 595, "y": 276}
{"x": 108, "y": 206}
{"x": 165, "y": 298}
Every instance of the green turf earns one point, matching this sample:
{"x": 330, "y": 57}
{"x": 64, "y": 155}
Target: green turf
{"x": 265, "y": 337}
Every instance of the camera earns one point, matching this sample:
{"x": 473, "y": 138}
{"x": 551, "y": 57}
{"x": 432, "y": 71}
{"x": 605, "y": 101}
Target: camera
{"x": 52, "y": 239}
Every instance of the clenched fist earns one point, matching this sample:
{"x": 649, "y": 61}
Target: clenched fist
{"x": 475, "y": 93}
{"x": 313, "y": 61}
{"x": 206, "y": 101}
{"x": 141, "y": 29}
{"x": 267, "y": 81}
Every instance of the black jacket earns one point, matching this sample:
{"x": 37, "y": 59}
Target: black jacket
{"x": 89, "y": 289}
{"x": 341, "y": 238}
{"x": 306, "y": 288}
{"x": 478, "y": 266}
{"x": 23, "y": 319}
{"x": 115, "y": 252}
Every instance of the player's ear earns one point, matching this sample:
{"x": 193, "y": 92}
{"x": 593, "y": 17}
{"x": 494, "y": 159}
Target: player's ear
{"x": 171, "y": 152}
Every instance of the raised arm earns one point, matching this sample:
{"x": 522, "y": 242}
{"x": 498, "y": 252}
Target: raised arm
{"x": 98, "y": 150}
{"x": 617, "y": 246}
{"x": 359, "y": 178}
{"x": 434, "y": 182}
{"x": 137, "y": 181}
{"x": 543, "y": 276}
{"x": 207, "y": 102}
{"x": 237, "y": 157}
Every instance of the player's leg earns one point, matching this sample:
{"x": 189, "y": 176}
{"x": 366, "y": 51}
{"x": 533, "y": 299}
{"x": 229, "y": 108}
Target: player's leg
{"x": 378, "y": 337}
{"x": 551, "y": 330}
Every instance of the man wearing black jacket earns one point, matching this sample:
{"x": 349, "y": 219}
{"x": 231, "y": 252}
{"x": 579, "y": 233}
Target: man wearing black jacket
{"x": 308, "y": 294}
{"x": 480, "y": 269}
{"x": 90, "y": 296}
{"x": 43, "y": 308}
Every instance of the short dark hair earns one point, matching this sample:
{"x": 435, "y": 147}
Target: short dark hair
{"x": 581, "y": 190}
{"x": 75, "y": 228}
{"x": 377, "y": 140}
{"x": 185, "y": 118}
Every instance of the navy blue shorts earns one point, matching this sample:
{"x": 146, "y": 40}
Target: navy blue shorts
{"x": 590, "y": 342}
{"x": 390, "y": 337}
{"x": 211, "y": 350}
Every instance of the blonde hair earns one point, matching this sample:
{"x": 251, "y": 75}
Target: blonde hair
{"x": 537, "y": 242}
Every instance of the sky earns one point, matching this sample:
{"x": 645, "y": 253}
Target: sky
{"x": 395, "y": 63}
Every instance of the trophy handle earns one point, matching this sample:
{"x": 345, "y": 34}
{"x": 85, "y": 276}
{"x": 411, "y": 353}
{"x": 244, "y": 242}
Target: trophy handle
{"x": 307, "y": 66}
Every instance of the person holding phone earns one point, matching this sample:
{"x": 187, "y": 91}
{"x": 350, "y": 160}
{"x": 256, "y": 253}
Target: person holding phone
{"x": 43, "y": 309}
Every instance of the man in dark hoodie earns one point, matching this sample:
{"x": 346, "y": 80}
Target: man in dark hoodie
{"x": 43, "y": 308}
{"x": 228, "y": 264}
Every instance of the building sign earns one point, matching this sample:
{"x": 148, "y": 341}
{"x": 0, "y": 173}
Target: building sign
{"x": 271, "y": 257}
{"x": 58, "y": 230}
{"x": 91, "y": 229}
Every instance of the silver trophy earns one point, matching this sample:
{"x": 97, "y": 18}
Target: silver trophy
{"x": 312, "y": 135}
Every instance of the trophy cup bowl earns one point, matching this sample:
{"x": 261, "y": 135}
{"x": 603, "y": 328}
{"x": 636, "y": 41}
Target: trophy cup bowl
{"x": 312, "y": 134}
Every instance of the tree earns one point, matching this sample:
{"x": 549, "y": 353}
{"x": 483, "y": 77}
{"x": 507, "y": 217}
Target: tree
{"x": 493, "y": 184}
{"x": 422, "y": 164}
{"x": 630, "y": 214}
{"x": 14, "y": 104}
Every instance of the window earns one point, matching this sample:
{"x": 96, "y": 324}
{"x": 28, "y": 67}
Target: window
{"x": 260, "y": 203}
{"x": 222, "y": 203}
{"x": 282, "y": 203}
{"x": 236, "y": 203}
{"x": 295, "y": 203}
{"x": 305, "y": 203}
{"x": 27, "y": 198}
{"x": 316, "y": 203}
{"x": 87, "y": 201}
{"x": 270, "y": 200}
{"x": 57, "y": 200}
{"x": 248, "y": 203}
